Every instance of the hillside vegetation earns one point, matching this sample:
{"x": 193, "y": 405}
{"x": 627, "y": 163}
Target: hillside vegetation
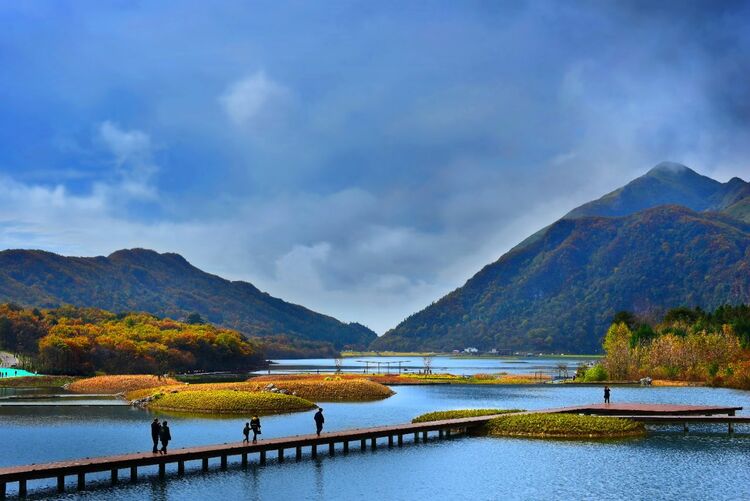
{"x": 86, "y": 340}
{"x": 669, "y": 238}
{"x": 167, "y": 285}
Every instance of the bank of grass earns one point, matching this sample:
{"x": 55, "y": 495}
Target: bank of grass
{"x": 229, "y": 402}
{"x": 315, "y": 388}
{"x": 460, "y": 413}
{"x": 567, "y": 426}
{"x": 119, "y": 384}
{"x": 455, "y": 379}
{"x": 36, "y": 381}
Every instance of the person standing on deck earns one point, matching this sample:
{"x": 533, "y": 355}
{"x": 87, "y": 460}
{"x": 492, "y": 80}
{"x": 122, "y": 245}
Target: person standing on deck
{"x": 155, "y": 431}
{"x": 246, "y": 433}
{"x": 255, "y": 425}
{"x": 319, "y": 420}
{"x": 606, "y": 394}
{"x": 165, "y": 437}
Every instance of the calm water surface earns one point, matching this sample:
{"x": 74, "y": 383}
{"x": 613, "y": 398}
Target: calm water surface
{"x": 666, "y": 465}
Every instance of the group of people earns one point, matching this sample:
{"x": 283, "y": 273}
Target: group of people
{"x": 160, "y": 431}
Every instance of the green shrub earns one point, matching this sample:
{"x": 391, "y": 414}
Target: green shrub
{"x": 595, "y": 373}
{"x": 460, "y": 413}
{"x": 562, "y": 426}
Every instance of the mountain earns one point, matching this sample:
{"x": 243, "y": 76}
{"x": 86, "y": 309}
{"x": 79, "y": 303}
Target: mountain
{"x": 671, "y": 237}
{"x": 668, "y": 183}
{"x": 168, "y": 286}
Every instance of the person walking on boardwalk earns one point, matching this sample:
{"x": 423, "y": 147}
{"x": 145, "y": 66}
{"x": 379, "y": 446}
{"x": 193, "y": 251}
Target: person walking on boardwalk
{"x": 255, "y": 425}
{"x": 606, "y": 394}
{"x": 165, "y": 437}
{"x": 319, "y": 420}
{"x": 246, "y": 432}
{"x": 155, "y": 431}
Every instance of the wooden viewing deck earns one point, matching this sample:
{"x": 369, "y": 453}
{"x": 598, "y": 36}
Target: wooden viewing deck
{"x": 394, "y": 434}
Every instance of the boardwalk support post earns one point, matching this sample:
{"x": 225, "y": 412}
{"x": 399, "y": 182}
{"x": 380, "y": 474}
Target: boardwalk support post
{"x": 22, "y": 488}
{"x": 314, "y": 451}
{"x": 441, "y": 434}
{"x": 363, "y": 444}
{"x": 346, "y": 446}
{"x": 281, "y": 455}
{"x": 223, "y": 462}
{"x": 262, "y": 457}
{"x": 731, "y": 428}
{"x": 400, "y": 439}
{"x": 448, "y": 433}
{"x": 424, "y": 436}
{"x": 244, "y": 459}
{"x": 204, "y": 465}
{"x": 114, "y": 479}
{"x": 61, "y": 483}
{"x": 133, "y": 474}
{"x": 81, "y": 481}
{"x": 416, "y": 437}
{"x": 162, "y": 470}
{"x": 331, "y": 448}
{"x": 180, "y": 467}
{"x": 685, "y": 427}
{"x": 390, "y": 440}
{"x": 2, "y": 490}
{"x": 298, "y": 455}
{"x": 373, "y": 443}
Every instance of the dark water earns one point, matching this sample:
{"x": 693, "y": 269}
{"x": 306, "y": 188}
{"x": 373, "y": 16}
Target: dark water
{"x": 666, "y": 465}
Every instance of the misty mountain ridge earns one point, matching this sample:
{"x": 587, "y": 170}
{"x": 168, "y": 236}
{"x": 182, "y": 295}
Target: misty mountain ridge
{"x": 668, "y": 183}
{"x": 166, "y": 285}
{"x": 671, "y": 237}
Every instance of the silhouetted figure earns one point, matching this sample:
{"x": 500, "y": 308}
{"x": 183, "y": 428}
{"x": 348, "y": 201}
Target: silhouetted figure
{"x": 606, "y": 394}
{"x": 165, "y": 437}
{"x": 319, "y": 420}
{"x": 246, "y": 432}
{"x": 155, "y": 431}
{"x": 255, "y": 425}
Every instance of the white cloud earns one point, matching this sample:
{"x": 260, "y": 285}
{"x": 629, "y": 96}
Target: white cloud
{"x": 248, "y": 99}
{"x": 134, "y": 164}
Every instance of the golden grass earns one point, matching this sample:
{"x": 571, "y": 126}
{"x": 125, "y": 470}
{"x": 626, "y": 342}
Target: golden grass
{"x": 566, "y": 426}
{"x": 36, "y": 381}
{"x": 316, "y": 389}
{"x": 118, "y": 384}
{"x": 229, "y": 402}
{"x": 454, "y": 379}
{"x": 668, "y": 382}
{"x": 460, "y": 413}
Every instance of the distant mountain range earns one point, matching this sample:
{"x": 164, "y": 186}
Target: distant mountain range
{"x": 669, "y": 238}
{"x": 168, "y": 286}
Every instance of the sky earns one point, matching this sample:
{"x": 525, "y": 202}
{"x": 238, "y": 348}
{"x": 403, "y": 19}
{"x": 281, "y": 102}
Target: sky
{"x": 359, "y": 158}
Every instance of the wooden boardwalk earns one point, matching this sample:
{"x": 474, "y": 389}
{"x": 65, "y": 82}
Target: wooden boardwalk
{"x": 633, "y": 409}
{"x": 394, "y": 435}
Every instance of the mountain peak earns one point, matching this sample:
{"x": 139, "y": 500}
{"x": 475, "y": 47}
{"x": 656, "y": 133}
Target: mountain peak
{"x": 670, "y": 168}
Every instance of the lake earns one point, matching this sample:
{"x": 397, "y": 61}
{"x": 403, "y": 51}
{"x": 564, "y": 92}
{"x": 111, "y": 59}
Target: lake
{"x": 667, "y": 465}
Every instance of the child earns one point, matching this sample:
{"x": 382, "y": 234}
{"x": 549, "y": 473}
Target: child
{"x": 246, "y": 432}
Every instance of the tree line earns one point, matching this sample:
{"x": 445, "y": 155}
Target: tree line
{"x": 72, "y": 340}
{"x": 687, "y": 344}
